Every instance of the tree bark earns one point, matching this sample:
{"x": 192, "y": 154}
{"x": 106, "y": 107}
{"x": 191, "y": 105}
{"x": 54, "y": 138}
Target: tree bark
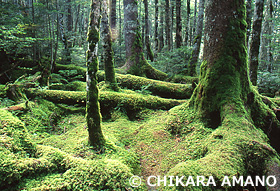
{"x": 248, "y": 19}
{"x": 167, "y": 24}
{"x": 93, "y": 116}
{"x": 178, "y": 24}
{"x": 156, "y": 27}
{"x": 226, "y": 102}
{"x": 161, "y": 38}
{"x": 147, "y": 31}
{"x": 255, "y": 42}
{"x": 197, "y": 41}
{"x": 188, "y": 22}
{"x": 135, "y": 61}
{"x": 113, "y": 18}
{"x": 108, "y": 51}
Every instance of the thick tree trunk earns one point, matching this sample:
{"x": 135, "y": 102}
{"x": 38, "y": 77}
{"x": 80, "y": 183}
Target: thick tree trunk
{"x": 167, "y": 24}
{"x": 96, "y": 138}
{"x": 147, "y": 31}
{"x": 178, "y": 24}
{"x": 197, "y": 41}
{"x": 113, "y": 15}
{"x": 227, "y": 105}
{"x": 108, "y": 51}
{"x": 255, "y": 42}
{"x": 135, "y": 61}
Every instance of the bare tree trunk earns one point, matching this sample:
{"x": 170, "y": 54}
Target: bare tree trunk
{"x": 178, "y": 24}
{"x": 188, "y": 22}
{"x": 113, "y": 18}
{"x": 167, "y": 24}
{"x": 248, "y": 19}
{"x": 108, "y": 51}
{"x": 93, "y": 116}
{"x": 197, "y": 41}
{"x": 156, "y": 27}
{"x": 255, "y": 42}
{"x": 265, "y": 55}
{"x": 147, "y": 32}
{"x": 161, "y": 38}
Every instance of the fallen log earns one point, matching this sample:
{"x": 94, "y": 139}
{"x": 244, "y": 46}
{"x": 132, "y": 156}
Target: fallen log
{"x": 128, "y": 100}
{"x": 156, "y": 87}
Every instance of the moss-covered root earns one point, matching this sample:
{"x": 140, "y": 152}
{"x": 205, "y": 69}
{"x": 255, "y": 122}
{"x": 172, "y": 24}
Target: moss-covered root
{"x": 108, "y": 99}
{"x": 68, "y": 172}
{"x": 156, "y": 87}
{"x": 236, "y": 148}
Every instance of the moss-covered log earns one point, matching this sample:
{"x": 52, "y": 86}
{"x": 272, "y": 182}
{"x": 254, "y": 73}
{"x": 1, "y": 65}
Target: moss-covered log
{"x": 108, "y": 99}
{"x": 158, "y": 88}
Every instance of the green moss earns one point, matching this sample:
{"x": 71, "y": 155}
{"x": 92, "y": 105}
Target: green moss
{"x": 3, "y": 90}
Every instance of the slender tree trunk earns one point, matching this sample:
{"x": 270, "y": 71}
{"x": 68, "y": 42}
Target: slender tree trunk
{"x": 135, "y": 61}
{"x": 167, "y": 24}
{"x": 113, "y": 18}
{"x": 197, "y": 41}
{"x": 156, "y": 27}
{"x": 172, "y": 24}
{"x": 120, "y": 28}
{"x": 188, "y": 22}
{"x": 255, "y": 42}
{"x": 161, "y": 35}
{"x": 108, "y": 51}
{"x": 265, "y": 49}
{"x": 147, "y": 32}
{"x": 248, "y": 19}
{"x": 193, "y": 29}
{"x": 93, "y": 116}
{"x": 178, "y": 24}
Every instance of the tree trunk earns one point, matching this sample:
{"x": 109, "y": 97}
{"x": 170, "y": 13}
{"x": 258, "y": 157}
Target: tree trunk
{"x": 255, "y": 42}
{"x": 178, "y": 24}
{"x": 188, "y": 22}
{"x": 93, "y": 116}
{"x": 248, "y": 19}
{"x": 135, "y": 61}
{"x": 227, "y": 105}
{"x": 265, "y": 49}
{"x": 161, "y": 38}
{"x": 108, "y": 51}
{"x": 147, "y": 31}
{"x": 167, "y": 24}
{"x": 113, "y": 18}
{"x": 156, "y": 27}
{"x": 197, "y": 41}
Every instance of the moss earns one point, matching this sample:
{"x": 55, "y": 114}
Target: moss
{"x": 156, "y": 87}
{"x": 183, "y": 79}
{"x": 3, "y": 91}
{"x": 128, "y": 100}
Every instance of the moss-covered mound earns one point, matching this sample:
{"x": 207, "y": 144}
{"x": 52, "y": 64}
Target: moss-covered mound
{"x": 25, "y": 165}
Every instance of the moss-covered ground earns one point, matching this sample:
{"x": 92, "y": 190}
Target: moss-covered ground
{"x": 45, "y": 145}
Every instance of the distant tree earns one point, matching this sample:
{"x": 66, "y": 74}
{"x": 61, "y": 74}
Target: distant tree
{"x": 161, "y": 29}
{"x": 188, "y": 22}
{"x": 156, "y": 26}
{"x": 197, "y": 41}
{"x": 113, "y": 17}
{"x": 108, "y": 51}
{"x": 135, "y": 61}
{"x": 147, "y": 32}
{"x": 255, "y": 42}
{"x": 167, "y": 24}
{"x": 248, "y": 19}
{"x": 93, "y": 116}
{"x": 178, "y": 24}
